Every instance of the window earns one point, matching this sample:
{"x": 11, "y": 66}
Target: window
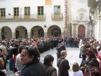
{"x": 27, "y": 11}
{"x": 2, "y": 12}
{"x": 40, "y": 10}
{"x": 16, "y": 11}
{"x": 56, "y": 9}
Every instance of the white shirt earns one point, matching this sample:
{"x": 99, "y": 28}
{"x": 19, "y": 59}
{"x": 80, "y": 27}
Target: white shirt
{"x": 78, "y": 73}
{"x": 18, "y": 64}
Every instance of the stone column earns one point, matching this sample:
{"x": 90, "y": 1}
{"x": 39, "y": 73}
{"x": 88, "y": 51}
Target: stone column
{"x": 29, "y": 35}
{"x": 75, "y": 32}
{"x": 45, "y": 31}
{"x": 13, "y": 35}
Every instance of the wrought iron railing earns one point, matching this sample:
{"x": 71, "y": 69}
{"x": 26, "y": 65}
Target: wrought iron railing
{"x": 57, "y": 17}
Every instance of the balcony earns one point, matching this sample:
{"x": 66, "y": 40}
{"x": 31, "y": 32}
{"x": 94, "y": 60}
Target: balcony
{"x": 57, "y": 17}
{"x": 16, "y": 17}
{"x": 10, "y": 18}
{"x": 27, "y": 17}
{"x": 40, "y": 17}
{"x": 32, "y": 17}
{"x": 1, "y": 18}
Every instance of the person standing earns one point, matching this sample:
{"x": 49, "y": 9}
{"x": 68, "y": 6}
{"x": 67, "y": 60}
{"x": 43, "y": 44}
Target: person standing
{"x": 63, "y": 64}
{"x": 48, "y": 62}
{"x": 18, "y": 64}
{"x": 33, "y": 66}
{"x": 76, "y": 70}
{"x": 59, "y": 48}
{"x": 2, "y": 70}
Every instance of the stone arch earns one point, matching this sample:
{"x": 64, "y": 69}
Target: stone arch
{"x": 81, "y": 31}
{"x": 37, "y": 32}
{"x": 21, "y": 32}
{"x": 6, "y": 32}
{"x": 54, "y": 30}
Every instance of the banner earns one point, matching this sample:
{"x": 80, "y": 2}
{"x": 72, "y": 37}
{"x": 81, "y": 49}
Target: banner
{"x": 48, "y": 2}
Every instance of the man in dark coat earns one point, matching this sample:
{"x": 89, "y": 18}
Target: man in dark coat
{"x": 60, "y": 47}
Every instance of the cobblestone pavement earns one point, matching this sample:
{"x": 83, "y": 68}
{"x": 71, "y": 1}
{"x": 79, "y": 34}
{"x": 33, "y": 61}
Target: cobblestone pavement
{"x": 72, "y": 56}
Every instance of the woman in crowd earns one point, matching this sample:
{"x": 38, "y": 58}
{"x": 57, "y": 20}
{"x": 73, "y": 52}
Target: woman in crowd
{"x": 91, "y": 64}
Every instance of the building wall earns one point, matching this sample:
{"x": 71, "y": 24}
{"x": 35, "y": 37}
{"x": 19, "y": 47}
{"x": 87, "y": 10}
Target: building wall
{"x": 48, "y": 11}
{"x": 95, "y": 13}
{"x": 80, "y": 16}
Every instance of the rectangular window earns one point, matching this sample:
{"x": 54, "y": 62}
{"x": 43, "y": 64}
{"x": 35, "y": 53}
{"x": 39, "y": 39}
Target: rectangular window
{"x": 27, "y": 11}
{"x": 57, "y": 9}
{"x": 40, "y": 10}
{"x": 16, "y": 11}
{"x": 2, "y": 12}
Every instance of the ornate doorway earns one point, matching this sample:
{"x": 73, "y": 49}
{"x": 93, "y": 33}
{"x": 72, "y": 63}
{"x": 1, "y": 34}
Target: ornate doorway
{"x": 81, "y": 31}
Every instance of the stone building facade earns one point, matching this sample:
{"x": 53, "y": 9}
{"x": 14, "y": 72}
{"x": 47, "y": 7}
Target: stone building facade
{"x": 32, "y": 18}
{"x": 95, "y": 17}
{"x": 80, "y": 19}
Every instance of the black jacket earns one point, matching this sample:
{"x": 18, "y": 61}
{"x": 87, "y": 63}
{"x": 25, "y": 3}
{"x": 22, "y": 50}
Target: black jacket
{"x": 2, "y": 73}
{"x": 34, "y": 69}
{"x": 63, "y": 68}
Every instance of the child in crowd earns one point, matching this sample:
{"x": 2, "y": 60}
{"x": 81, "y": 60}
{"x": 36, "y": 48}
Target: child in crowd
{"x": 76, "y": 70}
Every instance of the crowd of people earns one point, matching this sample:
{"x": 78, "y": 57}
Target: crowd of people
{"x": 24, "y": 57}
{"x": 90, "y": 52}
